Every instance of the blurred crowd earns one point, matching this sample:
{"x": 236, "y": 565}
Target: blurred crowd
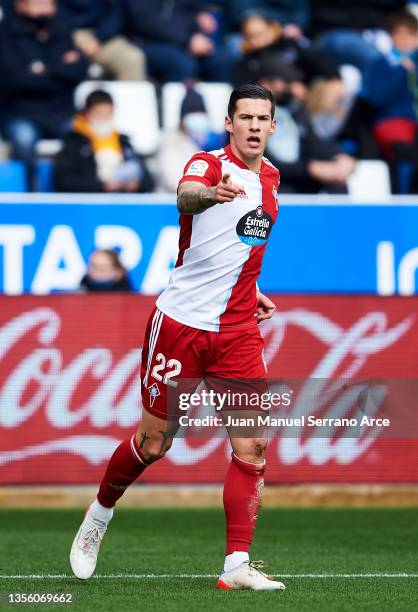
{"x": 344, "y": 76}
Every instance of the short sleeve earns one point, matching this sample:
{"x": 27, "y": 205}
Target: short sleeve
{"x": 203, "y": 168}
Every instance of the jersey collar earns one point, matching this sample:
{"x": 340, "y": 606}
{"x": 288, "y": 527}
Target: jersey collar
{"x": 236, "y": 160}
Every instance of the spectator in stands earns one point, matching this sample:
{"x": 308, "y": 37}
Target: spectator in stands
{"x": 177, "y": 39}
{"x": 97, "y": 26}
{"x": 95, "y": 157}
{"x": 328, "y": 105}
{"x": 355, "y": 32}
{"x": 390, "y": 85}
{"x": 40, "y": 68}
{"x": 308, "y": 164}
{"x": 336, "y": 114}
{"x": 263, "y": 36}
{"x": 193, "y": 134}
{"x": 292, "y": 14}
{"x": 105, "y": 273}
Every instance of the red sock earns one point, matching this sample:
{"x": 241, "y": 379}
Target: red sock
{"x": 242, "y": 497}
{"x": 124, "y": 467}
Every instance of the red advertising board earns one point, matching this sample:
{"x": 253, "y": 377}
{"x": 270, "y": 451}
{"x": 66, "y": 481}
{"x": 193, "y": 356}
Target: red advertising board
{"x": 70, "y": 387}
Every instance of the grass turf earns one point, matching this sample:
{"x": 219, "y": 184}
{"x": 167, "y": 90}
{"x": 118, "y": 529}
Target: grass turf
{"x": 182, "y": 541}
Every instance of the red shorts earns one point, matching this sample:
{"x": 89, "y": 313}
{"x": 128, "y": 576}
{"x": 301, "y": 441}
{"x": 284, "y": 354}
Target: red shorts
{"x": 178, "y": 356}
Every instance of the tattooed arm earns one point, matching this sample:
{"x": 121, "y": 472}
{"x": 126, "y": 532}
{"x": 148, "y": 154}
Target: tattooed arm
{"x": 193, "y": 197}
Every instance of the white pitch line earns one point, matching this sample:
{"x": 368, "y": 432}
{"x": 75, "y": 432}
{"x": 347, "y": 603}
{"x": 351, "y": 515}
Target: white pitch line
{"x": 147, "y": 576}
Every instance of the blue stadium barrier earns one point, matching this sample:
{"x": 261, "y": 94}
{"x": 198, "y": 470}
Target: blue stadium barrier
{"x": 12, "y": 177}
{"x": 44, "y": 176}
{"x": 320, "y": 244}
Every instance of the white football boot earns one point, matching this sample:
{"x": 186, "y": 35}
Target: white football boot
{"x": 86, "y": 546}
{"x": 248, "y": 575}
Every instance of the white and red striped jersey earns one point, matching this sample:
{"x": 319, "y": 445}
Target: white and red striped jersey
{"x": 213, "y": 284}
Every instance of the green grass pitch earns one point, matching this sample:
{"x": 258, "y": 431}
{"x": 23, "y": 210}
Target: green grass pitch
{"x": 188, "y": 541}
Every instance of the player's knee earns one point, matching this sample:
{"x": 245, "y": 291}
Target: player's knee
{"x": 258, "y": 449}
{"x": 156, "y": 451}
{"x": 154, "y": 446}
{"x": 252, "y": 450}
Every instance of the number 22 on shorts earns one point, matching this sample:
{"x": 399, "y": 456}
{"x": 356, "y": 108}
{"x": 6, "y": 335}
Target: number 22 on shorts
{"x": 172, "y": 367}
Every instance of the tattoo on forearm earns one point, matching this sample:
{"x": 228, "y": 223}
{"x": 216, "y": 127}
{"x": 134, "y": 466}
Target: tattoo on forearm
{"x": 144, "y": 439}
{"x": 196, "y": 200}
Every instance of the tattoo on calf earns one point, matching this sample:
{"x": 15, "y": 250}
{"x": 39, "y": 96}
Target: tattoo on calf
{"x": 259, "y": 450}
{"x": 144, "y": 439}
{"x": 166, "y": 435}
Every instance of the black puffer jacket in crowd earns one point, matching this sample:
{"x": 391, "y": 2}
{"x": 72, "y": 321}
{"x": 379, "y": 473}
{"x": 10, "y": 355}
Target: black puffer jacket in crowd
{"x": 295, "y": 176}
{"x": 169, "y": 21}
{"x": 76, "y": 168}
{"x": 46, "y": 93}
{"x": 105, "y": 17}
{"x": 355, "y": 14}
{"x": 312, "y": 63}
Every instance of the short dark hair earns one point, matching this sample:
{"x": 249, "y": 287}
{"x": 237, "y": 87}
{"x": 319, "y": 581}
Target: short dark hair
{"x": 403, "y": 19}
{"x": 99, "y": 96}
{"x": 255, "y": 92}
{"x": 264, "y": 14}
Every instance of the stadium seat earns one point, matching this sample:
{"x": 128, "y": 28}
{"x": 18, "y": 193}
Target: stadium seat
{"x": 215, "y": 95}
{"x": 370, "y": 181}
{"x": 45, "y": 176}
{"x": 12, "y": 177}
{"x": 136, "y": 110}
{"x": 48, "y": 148}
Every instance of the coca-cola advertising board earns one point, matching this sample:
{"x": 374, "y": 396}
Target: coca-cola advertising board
{"x": 70, "y": 388}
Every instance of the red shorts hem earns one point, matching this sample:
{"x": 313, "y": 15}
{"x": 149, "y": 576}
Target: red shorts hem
{"x": 158, "y": 413}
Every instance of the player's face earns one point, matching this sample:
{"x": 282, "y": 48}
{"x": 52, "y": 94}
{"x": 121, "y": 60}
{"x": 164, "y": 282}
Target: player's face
{"x": 250, "y": 127}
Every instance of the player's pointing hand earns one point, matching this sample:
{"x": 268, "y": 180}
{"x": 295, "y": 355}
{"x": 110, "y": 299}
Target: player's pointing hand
{"x": 226, "y": 190}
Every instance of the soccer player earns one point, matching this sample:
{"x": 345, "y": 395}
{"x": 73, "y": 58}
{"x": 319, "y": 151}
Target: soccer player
{"x": 205, "y": 325}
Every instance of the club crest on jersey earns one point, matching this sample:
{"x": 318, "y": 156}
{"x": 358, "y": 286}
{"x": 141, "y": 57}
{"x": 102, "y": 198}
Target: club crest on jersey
{"x": 254, "y": 227}
{"x": 197, "y": 168}
{"x": 154, "y": 392}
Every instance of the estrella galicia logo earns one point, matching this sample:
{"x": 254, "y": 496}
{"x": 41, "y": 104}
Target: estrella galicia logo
{"x": 254, "y": 227}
